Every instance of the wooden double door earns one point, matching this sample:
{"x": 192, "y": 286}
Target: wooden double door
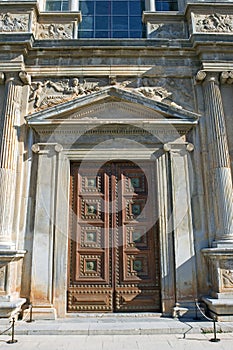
{"x": 113, "y": 247}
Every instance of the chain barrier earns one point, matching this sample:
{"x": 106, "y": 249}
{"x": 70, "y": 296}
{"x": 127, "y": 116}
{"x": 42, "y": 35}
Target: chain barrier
{"x": 27, "y": 318}
{"x": 12, "y": 327}
{"x": 214, "y": 320}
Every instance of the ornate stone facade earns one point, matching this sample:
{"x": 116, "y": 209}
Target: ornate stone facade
{"x": 74, "y": 240}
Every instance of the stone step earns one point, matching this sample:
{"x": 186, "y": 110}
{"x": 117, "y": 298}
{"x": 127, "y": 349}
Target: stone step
{"x": 117, "y": 325}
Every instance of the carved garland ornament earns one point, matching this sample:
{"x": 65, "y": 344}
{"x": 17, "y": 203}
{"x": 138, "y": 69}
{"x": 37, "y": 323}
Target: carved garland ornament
{"x": 215, "y": 22}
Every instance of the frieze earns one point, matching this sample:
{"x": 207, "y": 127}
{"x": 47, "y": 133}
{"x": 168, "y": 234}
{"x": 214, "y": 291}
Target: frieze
{"x": 220, "y": 23}
{"x": 55, "y": 31}
{"x": 13, "y": 23}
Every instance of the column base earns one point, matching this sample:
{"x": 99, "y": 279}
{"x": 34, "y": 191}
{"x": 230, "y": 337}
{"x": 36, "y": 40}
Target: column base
{"x": 44, "y": 313}
{"x": 11, "y": 308}
{"x": 224, "y": 243}
{"x": 221, "y": 309}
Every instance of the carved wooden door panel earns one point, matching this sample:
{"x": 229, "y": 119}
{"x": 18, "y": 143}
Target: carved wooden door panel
{"x": 113, "y": 249}
{"x": 137, "y": 280}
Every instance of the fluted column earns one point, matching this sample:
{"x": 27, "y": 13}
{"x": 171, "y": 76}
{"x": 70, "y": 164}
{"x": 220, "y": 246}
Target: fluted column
{"x": 8, "y": 161}
{"x": 220, "y": 161}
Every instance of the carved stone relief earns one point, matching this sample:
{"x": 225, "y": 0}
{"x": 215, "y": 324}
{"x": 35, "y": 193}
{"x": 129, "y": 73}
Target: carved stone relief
{"x": 48, "y": 93}
{"x": 227, "y": 274}
{"x": 180, "y": 89}
{"x": 215, "y": 22}
{"x": 55, "y": 31}
{"x": 164, "y": 30}
{"x": 13, "y": 22}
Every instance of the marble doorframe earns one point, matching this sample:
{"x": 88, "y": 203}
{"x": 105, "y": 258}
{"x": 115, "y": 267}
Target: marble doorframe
{"x": 50, "y": 257}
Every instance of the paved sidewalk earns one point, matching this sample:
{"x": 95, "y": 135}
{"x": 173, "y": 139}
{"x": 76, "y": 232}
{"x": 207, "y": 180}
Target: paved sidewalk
{"x": 119, "y": 342}
{"x": 118, "y": 332}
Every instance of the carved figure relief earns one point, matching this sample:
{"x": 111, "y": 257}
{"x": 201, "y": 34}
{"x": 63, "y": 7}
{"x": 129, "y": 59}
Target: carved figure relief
{"x": 214, "y": 23}
{"x": 43, "y": 95}
{"x": 158, "y": 94}
{"x": 55, "y": 31}
{"x": 13, "y": 23}
{"x": 48, "y": 93}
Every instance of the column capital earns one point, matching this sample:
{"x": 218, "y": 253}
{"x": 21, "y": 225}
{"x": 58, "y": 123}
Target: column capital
{"x": 226, "y": 77}
{"x": 200, "y": 76}
{"x": 44, "y": 148}
{"x": 12, "y": 77}
{"x": 25, "y": 77}
{"x": 2, "y": 78}
{"x": 178, "y": 147}
{"x": 203, "y": 76}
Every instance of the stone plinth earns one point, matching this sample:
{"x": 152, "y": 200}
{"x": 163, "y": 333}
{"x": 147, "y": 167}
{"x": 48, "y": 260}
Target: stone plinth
{"x": 220, "y": 301}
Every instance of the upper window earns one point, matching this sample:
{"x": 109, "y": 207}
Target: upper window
{"x": 57, "y": 5}
{"x": 166, "y": 5}
{"x": 111, "y": 19}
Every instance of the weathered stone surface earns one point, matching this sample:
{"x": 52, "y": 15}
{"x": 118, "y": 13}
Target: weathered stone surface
{"x": 166, "y": 100}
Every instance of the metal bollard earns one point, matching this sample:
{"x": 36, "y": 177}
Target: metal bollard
{"x": 12, "y": 340}
{"x": 215, "y": 339}
{"x": 214, "y": 319}
{"x": 196, "y": 316}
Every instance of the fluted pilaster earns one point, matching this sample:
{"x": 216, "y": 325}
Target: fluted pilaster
{"x": 8, "y": 161}
{"x": 220, "y": 160}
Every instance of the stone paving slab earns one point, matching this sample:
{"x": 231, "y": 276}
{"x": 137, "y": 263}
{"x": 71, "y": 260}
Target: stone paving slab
{"x": 119, "y": 342}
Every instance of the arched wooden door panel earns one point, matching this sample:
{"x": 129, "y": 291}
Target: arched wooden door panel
{"x": 114, "y": 246}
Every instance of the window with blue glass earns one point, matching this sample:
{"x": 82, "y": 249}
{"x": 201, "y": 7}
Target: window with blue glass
{"x": 56, "y": 5}
{"x": 111, "y": 19}
{"x": 163, "y": 5}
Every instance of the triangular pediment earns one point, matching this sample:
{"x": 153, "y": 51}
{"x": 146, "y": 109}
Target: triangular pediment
{"x": 112, "y": 105}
